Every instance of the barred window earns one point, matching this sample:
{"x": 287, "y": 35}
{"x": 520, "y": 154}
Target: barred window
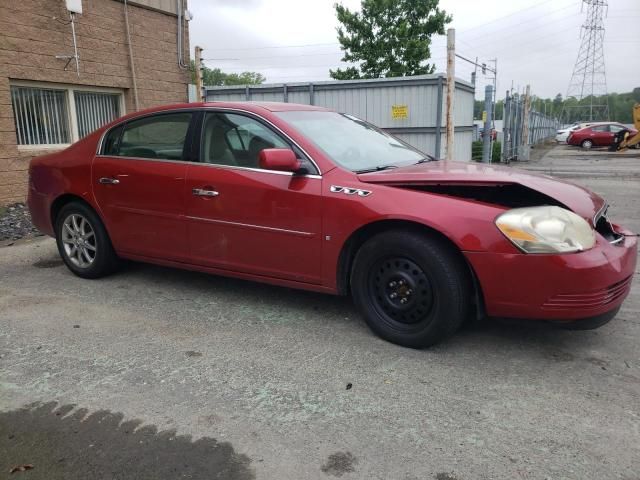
{"x": 95, "y": 110}
{"x": 60, "y": 115}
{"x": 40, "y": 116}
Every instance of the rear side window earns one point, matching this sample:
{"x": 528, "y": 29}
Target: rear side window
{"x": 161, "y": 136}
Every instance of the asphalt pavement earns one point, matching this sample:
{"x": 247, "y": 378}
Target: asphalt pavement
{"x": 160, "y": 373}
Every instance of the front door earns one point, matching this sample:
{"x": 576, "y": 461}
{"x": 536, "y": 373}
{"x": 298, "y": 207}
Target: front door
{"x": 138, "y": 182}
{"x": 246, "y": 219}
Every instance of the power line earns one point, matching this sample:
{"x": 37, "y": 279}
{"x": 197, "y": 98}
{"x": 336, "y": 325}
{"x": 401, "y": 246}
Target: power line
{"x": 277, "y": 46}
{"x": 515, "y": 25}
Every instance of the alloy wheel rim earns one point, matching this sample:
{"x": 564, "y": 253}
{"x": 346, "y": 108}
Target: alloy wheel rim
{"x": 79, "y": 240}
{"x": 401, "y": 291}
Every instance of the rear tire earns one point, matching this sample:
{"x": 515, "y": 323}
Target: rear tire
{"x": 413, "y": 290}
{"x": 587, "y": 144}
{"x": 83, "y": 242}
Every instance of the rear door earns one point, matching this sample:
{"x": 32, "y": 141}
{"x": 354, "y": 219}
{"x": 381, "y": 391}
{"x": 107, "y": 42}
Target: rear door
{"x": 138, "y": 182}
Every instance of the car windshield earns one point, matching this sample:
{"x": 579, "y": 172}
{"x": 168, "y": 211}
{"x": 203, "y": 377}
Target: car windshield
{"x": 353, "y": 143}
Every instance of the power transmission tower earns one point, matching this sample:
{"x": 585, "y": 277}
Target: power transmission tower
{"x": 588, "y": 83}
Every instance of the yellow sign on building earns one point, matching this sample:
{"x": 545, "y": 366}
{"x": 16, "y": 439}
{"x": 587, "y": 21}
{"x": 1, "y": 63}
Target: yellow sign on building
{"x": 399, "y": 112}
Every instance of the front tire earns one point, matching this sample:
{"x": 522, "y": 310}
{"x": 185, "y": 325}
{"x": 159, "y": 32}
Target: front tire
{"x": 412, "y": 289}
{"x": 586, "y": 144}
{"x": 83, "y": 242}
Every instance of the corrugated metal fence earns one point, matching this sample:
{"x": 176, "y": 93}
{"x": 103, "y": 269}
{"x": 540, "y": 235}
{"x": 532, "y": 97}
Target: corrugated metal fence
{"x": 411, "y": 108}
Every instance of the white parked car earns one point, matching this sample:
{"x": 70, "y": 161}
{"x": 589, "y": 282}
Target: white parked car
{"x": 563, "y": 133}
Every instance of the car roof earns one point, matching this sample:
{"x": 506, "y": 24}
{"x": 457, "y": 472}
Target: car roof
{"x": 255, "y": 107}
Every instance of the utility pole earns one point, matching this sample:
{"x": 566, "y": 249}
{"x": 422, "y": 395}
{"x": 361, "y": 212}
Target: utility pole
{"x": 495, "y": 91}
{"x": 199, "y": 67}
{"x": 507, "y": 129}
{"x": 488, "y": 116}
{"x": 589, "y": 80}
{"x": 451, "y": 85}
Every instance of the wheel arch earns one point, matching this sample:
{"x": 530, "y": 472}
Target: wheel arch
{"x": 65, "y": 199}
{"x": 362, "y": 234}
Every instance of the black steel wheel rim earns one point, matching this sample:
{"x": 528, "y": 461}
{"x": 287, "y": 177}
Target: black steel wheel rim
{"x": 401, "y": 292}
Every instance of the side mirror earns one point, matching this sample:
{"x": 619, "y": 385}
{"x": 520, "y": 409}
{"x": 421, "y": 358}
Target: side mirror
{"x": 281, "y": 159}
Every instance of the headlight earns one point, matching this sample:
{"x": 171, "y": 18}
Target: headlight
{"x": 546, "y": 230}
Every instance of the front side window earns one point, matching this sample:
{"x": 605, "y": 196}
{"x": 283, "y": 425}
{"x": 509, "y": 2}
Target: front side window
{"x": 601, "y": 128}
{"x": 40, "y": 116}
{"x": 352, "y": 143}
{"x": 237, "y": 140}
{"x": 159, "y": 136}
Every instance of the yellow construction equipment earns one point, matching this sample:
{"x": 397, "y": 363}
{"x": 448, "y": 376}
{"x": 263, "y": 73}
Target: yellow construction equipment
{"x": 626, "y": 141}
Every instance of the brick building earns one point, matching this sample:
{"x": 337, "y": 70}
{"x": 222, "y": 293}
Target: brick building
{"x": 47, "y": 103}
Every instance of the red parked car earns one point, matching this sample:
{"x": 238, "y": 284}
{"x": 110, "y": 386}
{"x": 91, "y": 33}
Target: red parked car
{"x": 304, "y": 197}
{"x": 597, "y": 135}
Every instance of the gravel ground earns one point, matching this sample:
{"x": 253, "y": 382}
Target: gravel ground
{"x": 15, "y": 222}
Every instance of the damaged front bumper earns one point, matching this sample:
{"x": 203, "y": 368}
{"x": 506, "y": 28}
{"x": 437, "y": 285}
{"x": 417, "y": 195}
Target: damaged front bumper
{"x": 589, "y": 286}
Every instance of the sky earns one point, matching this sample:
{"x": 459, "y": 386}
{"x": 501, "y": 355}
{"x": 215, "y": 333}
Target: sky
{"x": 535, "y": 42}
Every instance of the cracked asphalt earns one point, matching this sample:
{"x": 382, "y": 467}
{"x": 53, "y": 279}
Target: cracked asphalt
{"x": 161, "y": 373}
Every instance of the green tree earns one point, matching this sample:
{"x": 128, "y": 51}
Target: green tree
{"x": 212, "y": 77}
{"x": 388, "y": 38}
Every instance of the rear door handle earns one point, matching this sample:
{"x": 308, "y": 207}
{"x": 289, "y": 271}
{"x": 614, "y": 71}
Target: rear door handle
{"x": 200, "y": 192}
{"x": 109, "y": 181}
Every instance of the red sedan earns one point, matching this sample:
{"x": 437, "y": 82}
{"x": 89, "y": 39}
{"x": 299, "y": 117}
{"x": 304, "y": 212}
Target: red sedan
{"x": 304, "y": 197}
{"x": 598, "y": 135}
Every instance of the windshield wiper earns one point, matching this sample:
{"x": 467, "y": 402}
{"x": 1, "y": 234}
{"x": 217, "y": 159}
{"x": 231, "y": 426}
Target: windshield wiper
{"x": 377, "y": 169}
{"x": 426, "y": 159}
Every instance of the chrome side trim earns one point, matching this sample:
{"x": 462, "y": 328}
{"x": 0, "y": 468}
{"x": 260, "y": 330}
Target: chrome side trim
{"x": 152, "y": 213}
{"x": 261, "y": 228}
{"x": 350, "y": 191}
{"x": 600, "y": 213}
{"x": 213, "y": 165}
{"x": 251, "y": 169}
{"x": 617, "y": 240}
{"x": 214, "y": 108}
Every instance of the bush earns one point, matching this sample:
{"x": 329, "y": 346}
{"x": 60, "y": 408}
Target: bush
{"x": 476, "y": 151}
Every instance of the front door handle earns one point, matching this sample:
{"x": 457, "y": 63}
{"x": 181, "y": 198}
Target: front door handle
{"x": 109, "y": 181}
{"x": 200, "y": 192}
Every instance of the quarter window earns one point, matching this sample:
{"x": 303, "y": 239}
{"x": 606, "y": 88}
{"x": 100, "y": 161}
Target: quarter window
{"x": 160, "y": 136}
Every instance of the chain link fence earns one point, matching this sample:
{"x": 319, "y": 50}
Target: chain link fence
{"x": 523, "y": 127}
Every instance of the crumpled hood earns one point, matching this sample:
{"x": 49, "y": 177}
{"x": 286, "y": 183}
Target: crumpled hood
{"x": 580, "y": 200}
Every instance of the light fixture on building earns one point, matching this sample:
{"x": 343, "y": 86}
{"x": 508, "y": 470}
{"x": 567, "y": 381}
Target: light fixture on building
{"x": 75, "y": 8}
